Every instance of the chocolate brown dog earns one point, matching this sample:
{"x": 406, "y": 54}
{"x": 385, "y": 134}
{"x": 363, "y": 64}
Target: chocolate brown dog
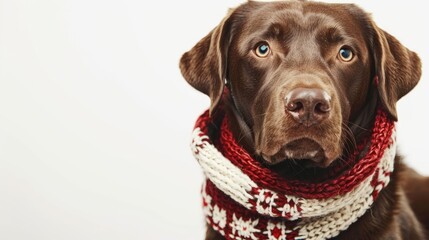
{"x": 304, "y": 82}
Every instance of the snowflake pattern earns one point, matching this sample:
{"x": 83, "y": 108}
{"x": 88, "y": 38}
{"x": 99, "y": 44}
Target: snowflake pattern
{"x": 291, "y": 209}
{"x": 276, "y": 231}
{"x": 265, "y": 201}
{"x": 219, "y": 216}
{"x": 207, "y": 202}
{"x": 219, "y": 219}
{"x": 243, "y": 229}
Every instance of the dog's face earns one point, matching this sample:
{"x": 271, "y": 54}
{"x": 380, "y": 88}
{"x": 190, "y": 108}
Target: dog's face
{"x": 302, "y": 75}
{"x": 296, "y": 75}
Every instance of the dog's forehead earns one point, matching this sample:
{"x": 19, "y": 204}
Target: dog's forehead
{"x": 275, "y": 17}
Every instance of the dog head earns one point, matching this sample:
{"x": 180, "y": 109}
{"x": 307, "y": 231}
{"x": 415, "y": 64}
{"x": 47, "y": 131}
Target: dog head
{"x": 304, "y": 77}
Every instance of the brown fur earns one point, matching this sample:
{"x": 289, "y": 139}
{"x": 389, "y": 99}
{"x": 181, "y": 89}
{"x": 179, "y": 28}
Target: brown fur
{"x": 304, "y": 40}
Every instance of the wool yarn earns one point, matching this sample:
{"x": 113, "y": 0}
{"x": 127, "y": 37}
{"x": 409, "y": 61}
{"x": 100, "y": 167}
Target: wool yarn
{"x": 242, "y": 199}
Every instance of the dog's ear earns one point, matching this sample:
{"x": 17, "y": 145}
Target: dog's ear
{"x": 204, "y": 66}
{"x": 397, "y": 69}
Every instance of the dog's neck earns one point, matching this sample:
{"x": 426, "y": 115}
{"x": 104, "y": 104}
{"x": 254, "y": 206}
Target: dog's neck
{"x": 240, "y": 127}
{"x": 244, "y": 199}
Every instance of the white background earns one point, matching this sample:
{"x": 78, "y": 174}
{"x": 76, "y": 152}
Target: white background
{"x": 95, "y": 117}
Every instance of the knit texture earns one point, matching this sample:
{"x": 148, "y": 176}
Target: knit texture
{"x": 244, "y": 200}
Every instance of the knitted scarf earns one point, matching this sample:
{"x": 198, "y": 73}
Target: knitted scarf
{"x": 242, "y": 199}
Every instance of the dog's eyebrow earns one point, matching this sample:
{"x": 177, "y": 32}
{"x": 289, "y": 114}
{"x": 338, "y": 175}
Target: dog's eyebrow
{"x": 330, "y": 35}
{"x": 277, "y": 31}
{"x": 273, "y": 31}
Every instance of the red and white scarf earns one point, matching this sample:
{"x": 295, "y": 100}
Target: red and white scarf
{"x": 244, "y": 200}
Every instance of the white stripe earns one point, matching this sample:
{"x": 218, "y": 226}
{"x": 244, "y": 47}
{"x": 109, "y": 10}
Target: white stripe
{"x": 232, "y": 181}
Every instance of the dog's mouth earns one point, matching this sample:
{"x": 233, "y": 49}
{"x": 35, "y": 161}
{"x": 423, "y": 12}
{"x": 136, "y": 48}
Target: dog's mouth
{"x": 304, "y": 152}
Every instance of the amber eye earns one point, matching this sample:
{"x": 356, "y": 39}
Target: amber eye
{"x": 345, "y": 54}
{"x": 262, "y": 50}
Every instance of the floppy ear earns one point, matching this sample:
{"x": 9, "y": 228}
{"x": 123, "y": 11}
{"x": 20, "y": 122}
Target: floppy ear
{"x": 204, "y": 66}
{"x": 397, "y": 69}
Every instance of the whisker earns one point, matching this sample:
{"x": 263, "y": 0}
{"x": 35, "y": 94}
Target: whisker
{"x": 357, "y": 125}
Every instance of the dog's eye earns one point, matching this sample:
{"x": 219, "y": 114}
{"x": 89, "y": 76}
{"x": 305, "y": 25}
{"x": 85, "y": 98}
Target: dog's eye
{"x": 262, "y": 50}
{"x": 345, "y": 54}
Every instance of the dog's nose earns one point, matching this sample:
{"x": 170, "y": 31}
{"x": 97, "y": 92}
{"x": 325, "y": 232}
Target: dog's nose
{"x": 308, "y": 106}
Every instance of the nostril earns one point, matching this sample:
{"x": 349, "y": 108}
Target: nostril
{"x": 322, "y": 108}
{"x": 294, "y": 106}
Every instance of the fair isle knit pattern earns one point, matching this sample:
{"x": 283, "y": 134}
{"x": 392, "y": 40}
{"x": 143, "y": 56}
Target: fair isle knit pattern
{"x": 244, "y": 200}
